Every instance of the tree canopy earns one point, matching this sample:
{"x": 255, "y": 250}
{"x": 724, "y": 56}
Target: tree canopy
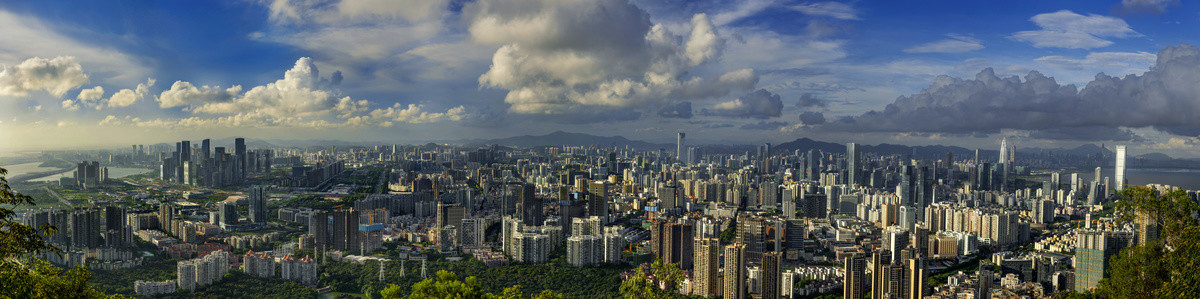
{"x": 1168, "y": 267}
{"x": 447, "y": 285}
{"x": 663, "y": 284}
{"x": 25, "y": 277}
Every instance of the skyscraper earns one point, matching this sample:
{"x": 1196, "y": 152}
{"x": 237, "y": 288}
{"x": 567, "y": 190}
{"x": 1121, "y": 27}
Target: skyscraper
{"x": 708, "y": 255}
{"x": 85, "y": 228}
{"x": 855, "y": 280}
{"x": 1004, "y": 166}
{"x": 1120, "y": 169}
{"x": 881, "y": 262}
{"x": 770, "y": 275}
{"x": 258, "y": 204}
{"x": 318, "y": 226}
{"x": 679, "y": 153}
{"x": 530, "y": 205}
{"x": 345, "y": 230}
{"x": 852, "y": 164}
{"x": 1004, "y": 150}
{"x": 239, "y": 150}
{"x": 229, "y": 215}
{"x": 916, "y": 278}
{"x": 114, "y": 227}
{"x": 205, "y": 149}
{"x": 735, "y": 271}
{"x": 166, "y": 213}
{"x": 674, "y": 242}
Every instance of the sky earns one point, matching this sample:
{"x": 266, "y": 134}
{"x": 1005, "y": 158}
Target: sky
{"x": 76, "y": 75}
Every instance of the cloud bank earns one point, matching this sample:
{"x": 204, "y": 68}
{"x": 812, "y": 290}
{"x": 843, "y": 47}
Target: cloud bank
{"x": 1163, "y": 97}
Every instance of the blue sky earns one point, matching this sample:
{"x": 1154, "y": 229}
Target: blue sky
{"x": 96, "y": 74}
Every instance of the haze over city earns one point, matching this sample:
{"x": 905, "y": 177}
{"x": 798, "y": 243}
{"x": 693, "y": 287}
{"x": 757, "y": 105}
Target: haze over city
{"x": 633, "y": 149}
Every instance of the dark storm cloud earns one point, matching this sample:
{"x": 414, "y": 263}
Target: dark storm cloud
{"x": 809, "y": 118}
{"x": 1163, "y": 97}
{"x": 809, "y": 100}
{"x": 677, "y": 110}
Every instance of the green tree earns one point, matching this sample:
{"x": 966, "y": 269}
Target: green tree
{"x": 25, "y": 277}
{"x": 664, "y": 283}
{"x": 513, "y": 292}
{"x": 1163, "y": 268}
{"x": 548, "y": 294}
{"x": 447, "y": 285}
{"x": 368, "y": 291}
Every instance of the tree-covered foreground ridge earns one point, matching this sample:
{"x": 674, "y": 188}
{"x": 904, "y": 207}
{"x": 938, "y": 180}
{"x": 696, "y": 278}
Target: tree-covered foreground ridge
{"x": 21, "y": 275}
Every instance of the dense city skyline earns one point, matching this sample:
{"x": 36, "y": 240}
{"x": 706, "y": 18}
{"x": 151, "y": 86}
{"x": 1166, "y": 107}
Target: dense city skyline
{"x": 742, "y": 72}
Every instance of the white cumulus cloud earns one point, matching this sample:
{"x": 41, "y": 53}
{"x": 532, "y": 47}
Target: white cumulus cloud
{"x": 127, "y": 97}
{"x": 55, "y": 76}
{"x": 1066, "y": 29}
{"x": 595, "y": 57}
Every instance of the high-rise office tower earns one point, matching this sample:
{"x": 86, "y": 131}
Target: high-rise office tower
{"x": 707, "y": 264}
{"x": 1004, "y": 150}
{"x": 770, "y": 275}
{"x": 1093, "y": 249}
{"x": 852, "y": 155}
{"x": 229, "y": 215}
{"x": 679, "y": 147}
{"x": 345, "y": 230}
{"x": 855, "y": 286}
{"x": 598, "y": 202}
{"x": 206, "y": 149}
{"x": 735, "y": 271}
{"x": 258, "y": 204}
{"x": 450, "y": 215}
{"x": 1120, "y": 170}
{"x": 530, "y": 205}
{"x": 239, "y": 150}
{"x": 1004, "y": 166}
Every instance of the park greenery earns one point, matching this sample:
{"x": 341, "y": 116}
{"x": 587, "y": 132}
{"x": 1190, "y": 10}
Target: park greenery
{"x": 662, "y": 282}
{"x": 558, "y": 276}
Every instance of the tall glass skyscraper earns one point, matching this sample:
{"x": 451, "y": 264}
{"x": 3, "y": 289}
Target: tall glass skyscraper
{"x": 679, "y": 153}
{"x": 1120, "y": 168}
{"x": 852, "y": 164}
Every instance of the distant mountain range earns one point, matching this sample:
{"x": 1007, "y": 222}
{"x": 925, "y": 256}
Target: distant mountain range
{"x": 560, "y": 138}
